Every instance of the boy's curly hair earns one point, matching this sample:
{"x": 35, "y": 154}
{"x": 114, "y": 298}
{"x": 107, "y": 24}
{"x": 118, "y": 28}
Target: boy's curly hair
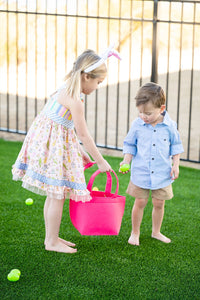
{"x": 150, "y": 92}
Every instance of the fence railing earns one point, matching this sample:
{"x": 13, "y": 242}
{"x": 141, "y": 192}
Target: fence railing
{"x": 159, "y": 41}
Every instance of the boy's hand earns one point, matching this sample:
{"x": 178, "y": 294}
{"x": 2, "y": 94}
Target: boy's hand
{"x": 174, "y": 172}
{"x": 124, "y": 167}
{"x": 175, "y": 168}
{"x": 125, "y": 164}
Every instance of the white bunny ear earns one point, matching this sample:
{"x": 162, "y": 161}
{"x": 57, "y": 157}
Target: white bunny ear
{"x": 115, "y": 53}
{"x": 109, "y": 52}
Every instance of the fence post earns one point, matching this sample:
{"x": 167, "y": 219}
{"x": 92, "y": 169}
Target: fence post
{"x": 154, "y": 66}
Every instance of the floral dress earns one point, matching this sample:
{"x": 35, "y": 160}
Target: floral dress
{"x": 50, "y": 162}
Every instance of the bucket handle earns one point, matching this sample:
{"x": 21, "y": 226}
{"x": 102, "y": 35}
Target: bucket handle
{"x": 109, "y": 179}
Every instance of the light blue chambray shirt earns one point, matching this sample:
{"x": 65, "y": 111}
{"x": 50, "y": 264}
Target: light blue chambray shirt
{"x": 152, "y": 148}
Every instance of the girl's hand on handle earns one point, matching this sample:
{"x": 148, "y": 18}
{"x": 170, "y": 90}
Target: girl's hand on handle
{"x": 104, "y": 166}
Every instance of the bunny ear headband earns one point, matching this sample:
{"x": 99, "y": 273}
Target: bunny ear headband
{"x": 109, "y": 52}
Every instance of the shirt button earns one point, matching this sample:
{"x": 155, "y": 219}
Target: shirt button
{"x": 152, "y": 158}
{"x": 152, "y": 172}
{"x": 154, "y": 144}
{"x": 154, "y": 130}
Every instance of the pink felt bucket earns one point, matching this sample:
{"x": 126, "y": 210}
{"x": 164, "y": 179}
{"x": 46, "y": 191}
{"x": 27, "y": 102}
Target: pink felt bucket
{"x": 103, "y": 214}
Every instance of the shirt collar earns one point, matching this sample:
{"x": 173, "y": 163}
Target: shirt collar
{"x": 141, "y": 122}
{"x": 166, "y": 119}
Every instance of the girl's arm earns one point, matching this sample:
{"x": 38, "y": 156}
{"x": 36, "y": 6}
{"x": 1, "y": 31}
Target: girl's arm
{"x": 85, "y": 157}
{"x": 77, "y": 110}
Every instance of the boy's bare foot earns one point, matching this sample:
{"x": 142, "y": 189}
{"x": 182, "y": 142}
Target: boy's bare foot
{"x": 134, "y": 240}
{"x": 159, "y": 236}
{"x": 59, "y": 246}
{"x": 64, "y": 242}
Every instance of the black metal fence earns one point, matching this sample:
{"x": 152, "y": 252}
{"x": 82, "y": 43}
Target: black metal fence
{"x": 159, "y": 41}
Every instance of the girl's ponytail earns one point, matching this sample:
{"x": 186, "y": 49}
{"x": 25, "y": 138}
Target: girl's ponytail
{"x": 73, "y": 85}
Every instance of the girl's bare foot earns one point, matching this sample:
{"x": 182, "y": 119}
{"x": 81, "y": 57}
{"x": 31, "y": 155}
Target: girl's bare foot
{"x": 59, "y": 246}
{"x": 134, "y": 240}
{"x": 67, "y": 243}
{"x": 159, "y": 236}
{"x": 64, "y": 242}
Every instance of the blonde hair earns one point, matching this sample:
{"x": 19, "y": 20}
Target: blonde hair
{"x": 73, "y": 78}
{"x": 150, "y": 92}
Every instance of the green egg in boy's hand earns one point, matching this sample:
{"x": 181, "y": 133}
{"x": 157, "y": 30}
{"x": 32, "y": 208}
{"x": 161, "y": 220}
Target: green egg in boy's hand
{"x": 124, "y": 168}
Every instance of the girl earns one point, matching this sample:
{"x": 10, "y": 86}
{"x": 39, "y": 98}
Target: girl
{"x": 51, "y": 160}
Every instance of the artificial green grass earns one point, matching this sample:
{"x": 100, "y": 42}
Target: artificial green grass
{"x": 105, "y": 267}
